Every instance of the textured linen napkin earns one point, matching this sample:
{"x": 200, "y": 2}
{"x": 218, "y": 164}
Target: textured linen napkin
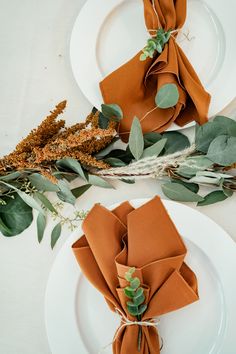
{"x": 134, "y": 85}
{"x": 147, "y": 239}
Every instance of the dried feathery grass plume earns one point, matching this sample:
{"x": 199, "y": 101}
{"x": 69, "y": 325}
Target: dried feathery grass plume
{"x": 51, "y": 141}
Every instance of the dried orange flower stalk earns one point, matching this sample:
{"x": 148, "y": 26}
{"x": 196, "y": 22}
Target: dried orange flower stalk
{"x": 51, "y": 141}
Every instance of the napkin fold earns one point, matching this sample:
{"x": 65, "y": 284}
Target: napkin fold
{"x": 134, "y": 85}
{"x": 144, "y": 238}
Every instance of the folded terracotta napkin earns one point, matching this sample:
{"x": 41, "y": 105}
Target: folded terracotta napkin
{"x": 134, "y": 85}
{"x": 145, "y": 238}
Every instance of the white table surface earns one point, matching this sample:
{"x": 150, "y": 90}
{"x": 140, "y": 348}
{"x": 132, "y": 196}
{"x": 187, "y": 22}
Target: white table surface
{"x": 35, "y": 74}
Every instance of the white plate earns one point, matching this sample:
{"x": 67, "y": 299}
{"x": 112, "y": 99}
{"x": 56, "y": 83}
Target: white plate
{"x": 79, "y": 321}
{"x": 107, "y": 33}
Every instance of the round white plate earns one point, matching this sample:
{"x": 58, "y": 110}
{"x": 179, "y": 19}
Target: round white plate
{"x": 79, "y": 321}
{"x": 107, "y": 33}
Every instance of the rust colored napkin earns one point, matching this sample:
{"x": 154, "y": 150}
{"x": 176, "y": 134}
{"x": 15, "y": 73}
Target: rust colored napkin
{"x": 144, "y": 238}
{"x": 134, "y": 85}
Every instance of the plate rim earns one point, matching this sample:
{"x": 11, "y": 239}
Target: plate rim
{"x": 77, "y": 36}
{"x": 51, "y": 311}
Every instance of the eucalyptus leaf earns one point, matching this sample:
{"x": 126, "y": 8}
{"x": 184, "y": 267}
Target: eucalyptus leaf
{"x": 134, "y": 283}
{"x": 112, "y": 111}
{"x": 132, "y": 308}
{"x": 30, "y": 201}
{"x": 128, "y": 276}
{"x": 69, "y": 176}
{"x": 159, "y": 48}
{"x": 56, "y": 233}
{"x": 10, "y": 176}
{"x": 14, "y": 184}
{"x": 138, "y": 300}
{"x": 114, "y": 162}
{"x": 41, "y": 183}
{"x": 77, "y": 192}
{"x": 191, "y": 186}
{"x": 46, "y": 202}
{"x": 176, "y": 141}
{"x": 136, "y": 141}
{"x": 206, "y": 180}
{"x": 208, "y": 177}
{"x": 212, "y": 198}
{"x": 41, "y": 225}
{"x": 4, "y": 229}
{"x": 180, "y": 193}
{"x": 167, "y": 96}
{"x": 155, "y": 149}
{"x": 206, "y": 133}
{"x": 192, "y": 165}
{"x": 228, "y": 192}
{"x": 73, "y": 165}
{"x": 228, "y": 125}
{"x": 151, "y": 138}
{"x": 99, "y": 182}
{"x": 214, "y": 174}
{"x": 103, "y": 122}
{"x": 4, "y": 188}
{"x": 65, "y": 193}
{"x": 124, "y": 155}
{"x": 142, "y": 309}
{"x": 9, "y": 185}
{"x": 139, "y": 292}
{"x": 131, "y": 270}
{"x": 16, "y": 215}
{"x": 143, "y": 57}
{"x": 222, "y": 150}
{"x": 94, "y": 110}
{"x": 129, "y": 292}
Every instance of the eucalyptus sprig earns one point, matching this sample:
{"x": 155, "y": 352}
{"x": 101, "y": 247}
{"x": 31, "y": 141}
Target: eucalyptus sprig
{"x": 155, "y": 44}
{"x": 24, "y": 191}
{"x": 136, "y": 305}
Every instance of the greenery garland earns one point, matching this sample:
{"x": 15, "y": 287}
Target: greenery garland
{"x": 52, "y": 156}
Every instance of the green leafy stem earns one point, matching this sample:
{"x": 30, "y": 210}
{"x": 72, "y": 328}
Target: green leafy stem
{"x": 136, "y": 305}
{"x": 155, "y": 44}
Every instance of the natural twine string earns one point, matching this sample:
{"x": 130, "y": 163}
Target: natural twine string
{"x": 186, "y": 35}
{"x": 149, "y": 167}
{"x": 155, "y": 10}
{"x": 125, "y": 322}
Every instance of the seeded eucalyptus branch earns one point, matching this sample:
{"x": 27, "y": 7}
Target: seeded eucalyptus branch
{"x": 136, "y": 305}
{"x": 155, "y": 44}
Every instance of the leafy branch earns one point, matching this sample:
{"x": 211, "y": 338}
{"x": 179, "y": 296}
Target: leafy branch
{"x": 136, "y": 305}
{"x": 155, "y": 44}
{"x": 168, "y": 157}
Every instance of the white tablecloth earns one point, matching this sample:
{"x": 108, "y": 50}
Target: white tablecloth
{"x": 35, "y": 74}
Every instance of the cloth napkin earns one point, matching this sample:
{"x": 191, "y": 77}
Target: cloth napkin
{"x": 145, "y": 238}
{"x": 134, "y": 85}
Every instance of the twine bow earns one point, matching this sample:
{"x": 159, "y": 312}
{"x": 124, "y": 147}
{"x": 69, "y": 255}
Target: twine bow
{"x": 125, "y": 322}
